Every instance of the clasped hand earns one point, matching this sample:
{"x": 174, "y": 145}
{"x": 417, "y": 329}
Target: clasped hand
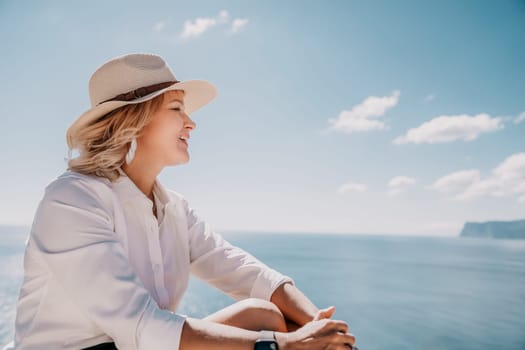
{"x": 320, "y": 333}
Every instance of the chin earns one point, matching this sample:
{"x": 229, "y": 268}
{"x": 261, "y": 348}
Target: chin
{"x": 180, "y": 160}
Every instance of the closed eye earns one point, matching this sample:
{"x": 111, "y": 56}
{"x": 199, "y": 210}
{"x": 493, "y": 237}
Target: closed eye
{"x": 175, "y": 109}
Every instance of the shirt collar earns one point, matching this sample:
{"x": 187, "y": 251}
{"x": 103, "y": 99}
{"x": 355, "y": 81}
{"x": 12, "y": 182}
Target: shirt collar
{"x": 128, "y": 191}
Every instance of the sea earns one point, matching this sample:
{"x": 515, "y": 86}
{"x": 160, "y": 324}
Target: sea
{"x": 394, "y": 292}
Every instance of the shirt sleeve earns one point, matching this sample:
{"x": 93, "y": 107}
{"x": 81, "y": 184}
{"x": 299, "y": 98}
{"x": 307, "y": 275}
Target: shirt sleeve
{"x": 73, "y": 233}
{"x": 227, "y": 267}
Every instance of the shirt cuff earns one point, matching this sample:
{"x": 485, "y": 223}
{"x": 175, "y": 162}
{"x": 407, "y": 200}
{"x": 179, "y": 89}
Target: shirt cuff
{"x": 160, "y": 329}
{"x": 267, "y": 282}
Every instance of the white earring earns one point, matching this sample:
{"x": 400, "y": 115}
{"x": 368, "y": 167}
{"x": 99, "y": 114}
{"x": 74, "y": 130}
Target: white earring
{"x": 69, "y": 155}
{"x": 131, "y": 153}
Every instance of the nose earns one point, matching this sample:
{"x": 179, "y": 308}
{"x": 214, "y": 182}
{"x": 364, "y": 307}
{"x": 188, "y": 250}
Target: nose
{"x": 189, "y": 122}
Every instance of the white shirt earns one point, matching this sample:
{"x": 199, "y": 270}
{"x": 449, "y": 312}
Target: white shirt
{"x": 99, "y": 267}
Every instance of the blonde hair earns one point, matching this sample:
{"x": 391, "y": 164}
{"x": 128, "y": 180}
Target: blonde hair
{"x": 104, "y": 143}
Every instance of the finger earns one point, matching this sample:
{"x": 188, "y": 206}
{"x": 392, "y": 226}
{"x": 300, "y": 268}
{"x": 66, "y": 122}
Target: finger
{"x": 343, "y": 338}
{"x": 334, "y": 325}
{"x": 338, "y": 340}
{"x": 329, "y": 309}
{"x": 336, "y": 347}
{"x": 321, "y": 316}
{"x": 324, "y": 313}
{"x": 328, "y": 312}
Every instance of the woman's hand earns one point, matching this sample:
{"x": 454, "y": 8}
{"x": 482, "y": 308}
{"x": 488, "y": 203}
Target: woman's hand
{"x": 324, "y": 313}
{"x": 322, "y": 333}
{"x": 321, "y": 314}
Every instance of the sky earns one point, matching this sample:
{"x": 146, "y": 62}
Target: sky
{"x": 367, "y": 117}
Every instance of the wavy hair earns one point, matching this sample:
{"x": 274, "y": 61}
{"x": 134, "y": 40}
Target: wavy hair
{"x": 104, "y": 143}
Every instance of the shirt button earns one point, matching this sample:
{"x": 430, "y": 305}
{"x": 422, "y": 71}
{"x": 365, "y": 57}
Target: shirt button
{"x": 156, "y": 267}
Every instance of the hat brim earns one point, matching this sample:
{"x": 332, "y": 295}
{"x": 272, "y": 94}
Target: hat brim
{"x": 197, "y": 93}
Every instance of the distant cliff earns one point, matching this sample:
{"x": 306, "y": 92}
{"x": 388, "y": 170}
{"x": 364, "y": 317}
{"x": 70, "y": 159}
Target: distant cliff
{"x": 495, "y": 229}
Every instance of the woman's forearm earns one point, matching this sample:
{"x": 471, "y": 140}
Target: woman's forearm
{"x": 294, "y": 305}
{"x": 200, "y": 334}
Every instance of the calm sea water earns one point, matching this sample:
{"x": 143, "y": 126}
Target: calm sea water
{"x": 395, "y": 292}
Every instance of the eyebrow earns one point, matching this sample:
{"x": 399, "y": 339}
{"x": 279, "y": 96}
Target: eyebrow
{"x": 176, "y": 100}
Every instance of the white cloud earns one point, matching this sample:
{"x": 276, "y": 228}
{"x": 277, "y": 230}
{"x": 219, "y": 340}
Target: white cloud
{"x": 520, "y": 188}
{"x": 195, "y": 28}
{"x": 351, "y": 187}
{"x": 512, "y": 169}
{"x": 399, "y": 181}
{"x": 505, "y": 180}
{"x": 485, "y": 187}
{"x": 360, "y": 117}
{"x": 451, "y": 128}
{"x": 398, "y": 184}
{"x": 159, "y": 26}
{"x": 456, "y": 181}
{"x": 238, "y": 23}
{"x": 223, "y": 16}
{"x": 429, "y": 97}
{"x": 520, "y": 118}
{"x": 521, "y": 200}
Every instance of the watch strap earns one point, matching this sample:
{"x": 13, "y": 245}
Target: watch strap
{"x": 267, "y": 335}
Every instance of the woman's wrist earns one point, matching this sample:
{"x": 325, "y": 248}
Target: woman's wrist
{"x": 282, "y": 340}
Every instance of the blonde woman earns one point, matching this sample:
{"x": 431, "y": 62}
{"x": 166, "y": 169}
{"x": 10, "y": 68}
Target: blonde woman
{"x": 111, "y": 249}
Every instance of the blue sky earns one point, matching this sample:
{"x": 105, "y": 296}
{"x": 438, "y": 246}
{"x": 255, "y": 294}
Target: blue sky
{"x": 376, "y": 117}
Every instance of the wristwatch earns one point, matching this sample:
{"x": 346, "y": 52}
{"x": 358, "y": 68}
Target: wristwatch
{"x": 266, "y": 341}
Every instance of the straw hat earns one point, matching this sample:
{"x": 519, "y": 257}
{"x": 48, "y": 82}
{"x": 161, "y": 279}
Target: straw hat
{"x": 135, "y": 78}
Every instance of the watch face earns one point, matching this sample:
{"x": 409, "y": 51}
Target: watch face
{"x": 266, "y": 345}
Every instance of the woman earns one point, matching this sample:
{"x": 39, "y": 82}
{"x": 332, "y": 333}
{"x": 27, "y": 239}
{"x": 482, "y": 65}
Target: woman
{"x": 111, "y": 249}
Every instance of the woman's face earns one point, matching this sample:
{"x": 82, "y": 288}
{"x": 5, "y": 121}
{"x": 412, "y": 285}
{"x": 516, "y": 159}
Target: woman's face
{"x": 161, "y": 138}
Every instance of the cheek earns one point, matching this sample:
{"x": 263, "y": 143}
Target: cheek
{"x": 162, "y": 135}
